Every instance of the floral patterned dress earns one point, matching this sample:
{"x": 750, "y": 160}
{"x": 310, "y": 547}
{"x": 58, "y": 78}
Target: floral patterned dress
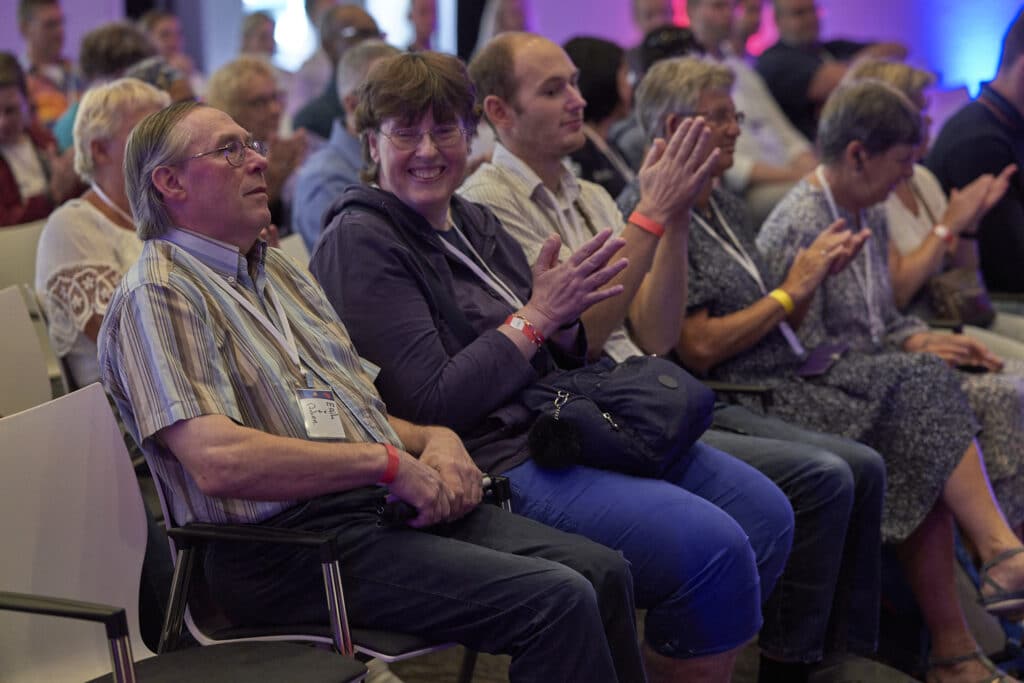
{"x": 875, "y": 398}
{"x": 857, "y": 307}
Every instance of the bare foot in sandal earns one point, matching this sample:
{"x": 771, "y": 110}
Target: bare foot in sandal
{"x": 973, "y": 667}
{"x": 1002, "y": 584}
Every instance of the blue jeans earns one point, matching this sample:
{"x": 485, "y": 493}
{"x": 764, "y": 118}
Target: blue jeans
{"x": 828, "y": 596}
{"x": 703, "y": 544}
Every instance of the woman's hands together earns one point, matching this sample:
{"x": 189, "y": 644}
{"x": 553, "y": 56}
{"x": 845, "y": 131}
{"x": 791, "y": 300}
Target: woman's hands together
{"x": 562, "y": 291}
{"x": 830, "y": 252}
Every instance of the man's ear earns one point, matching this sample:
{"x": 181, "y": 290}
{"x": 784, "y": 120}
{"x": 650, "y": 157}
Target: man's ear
{"x": 349, "y": 103}
{"x": 497, "y": 110}
{"x": 167, "y": 181}
{"x": 672, "y": 121}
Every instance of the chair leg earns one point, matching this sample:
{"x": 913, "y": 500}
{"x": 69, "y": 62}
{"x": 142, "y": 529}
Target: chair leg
{"x": 468, "y": 665}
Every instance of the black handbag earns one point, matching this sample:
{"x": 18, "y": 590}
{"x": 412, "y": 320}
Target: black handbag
{"x": 959, "y": 294}
{"x": 638, "y": 417}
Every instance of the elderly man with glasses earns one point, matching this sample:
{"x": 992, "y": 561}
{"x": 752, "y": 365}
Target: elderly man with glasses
{"x": 219, "y": 353}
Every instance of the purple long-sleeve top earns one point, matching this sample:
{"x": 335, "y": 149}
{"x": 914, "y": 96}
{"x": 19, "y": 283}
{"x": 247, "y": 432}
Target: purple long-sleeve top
{"x": 465, "y": 374}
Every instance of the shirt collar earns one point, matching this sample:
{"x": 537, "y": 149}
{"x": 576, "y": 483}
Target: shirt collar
{"x": 529, "y": 181}
{"x": 1006, "y": 107}
{"x": 347, "y": 144}
{"x": 221, "y": 257}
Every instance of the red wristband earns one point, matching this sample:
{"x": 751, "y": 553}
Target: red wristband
{"x": 518, "y": 322}
{"x": 644, "y": 223}
{"x": 391, "y": 471}
{"x": 944, "y": 233}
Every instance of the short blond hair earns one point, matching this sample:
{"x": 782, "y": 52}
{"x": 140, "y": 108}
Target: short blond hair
{"x": 102, "y": 109}
{"x": 226, "y": 88}
{"x": 911, "y": 81}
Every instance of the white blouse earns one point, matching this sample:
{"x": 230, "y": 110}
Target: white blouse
{"x": 906, "y": 230}
{"x": 81, "y": 257}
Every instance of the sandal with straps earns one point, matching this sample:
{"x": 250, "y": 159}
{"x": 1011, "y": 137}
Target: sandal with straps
{"x": 997, "y": 674}
{"x": 1001, "y": 602}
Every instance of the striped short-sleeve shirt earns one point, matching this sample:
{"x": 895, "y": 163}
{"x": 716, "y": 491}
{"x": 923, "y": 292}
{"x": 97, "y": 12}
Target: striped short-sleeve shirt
{"x": 176, "y": 345}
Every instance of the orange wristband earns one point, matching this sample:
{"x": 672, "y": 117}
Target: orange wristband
{"x": 391, "y": 471}
{"x": 644, "y": 223}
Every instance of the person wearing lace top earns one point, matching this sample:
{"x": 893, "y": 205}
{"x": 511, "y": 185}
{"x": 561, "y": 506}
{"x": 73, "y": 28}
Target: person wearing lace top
{"x": 88, "y": 243}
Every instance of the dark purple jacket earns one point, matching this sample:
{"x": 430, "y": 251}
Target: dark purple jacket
{"x": 429, "y": 374}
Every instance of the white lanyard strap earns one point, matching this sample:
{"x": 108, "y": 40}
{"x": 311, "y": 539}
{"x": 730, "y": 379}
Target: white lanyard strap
{"x": 613, "y": 157}
{"x": 733, "y": 247}
{"x": 287, "y": 339}
{"x": 736, "y": 251}
{"x": 110, "y": 203}
{"x": 864, "y": 279}
{"x": 481, "y": 269}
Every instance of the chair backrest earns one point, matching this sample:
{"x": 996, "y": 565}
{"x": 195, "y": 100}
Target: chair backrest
{"x": 18, "y": 253}
{"x": 72, "y": 523}
{"x": 296, "y": 248}
{"x": 24, "y": 377}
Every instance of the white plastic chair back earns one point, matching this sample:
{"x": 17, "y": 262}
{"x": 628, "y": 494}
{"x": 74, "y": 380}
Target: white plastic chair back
{"x": 24, "y": 377}
{"x": 296, "y": 248}
{"x": 18, "y": 245}
{"x": 72, "y": 524}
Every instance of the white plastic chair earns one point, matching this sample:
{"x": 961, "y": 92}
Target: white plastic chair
{"x": 18, "y": 245}
{"x": 73, "y": 525}
{"x": 296, "y": 248}
{"x": 24, "y": 364}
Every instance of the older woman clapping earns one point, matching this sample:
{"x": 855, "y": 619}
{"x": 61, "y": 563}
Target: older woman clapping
{"x": 88, "y": 243}
{"x": 868, "y": 135}
{"x": 747, "y": 322}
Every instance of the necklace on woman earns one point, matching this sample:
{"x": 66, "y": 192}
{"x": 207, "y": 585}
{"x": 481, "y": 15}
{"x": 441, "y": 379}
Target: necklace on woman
{"x": 102, "y": 196}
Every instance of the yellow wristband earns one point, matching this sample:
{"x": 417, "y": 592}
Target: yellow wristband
{"x": 784, "y": 299}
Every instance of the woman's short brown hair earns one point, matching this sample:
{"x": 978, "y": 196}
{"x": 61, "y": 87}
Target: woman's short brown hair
{"x": 406, "y": 87}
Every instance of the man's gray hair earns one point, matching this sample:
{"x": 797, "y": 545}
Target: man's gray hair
{"x": 101, "y": 111}
{"x": 674, "y": 86}
{"x": 872, "y": 112}
{"x": 356, "y": 62}
{"x": 157, "y": 140}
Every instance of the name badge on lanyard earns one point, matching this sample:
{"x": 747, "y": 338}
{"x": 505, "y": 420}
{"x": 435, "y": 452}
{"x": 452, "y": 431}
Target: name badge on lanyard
{"x": 320, "y": 413}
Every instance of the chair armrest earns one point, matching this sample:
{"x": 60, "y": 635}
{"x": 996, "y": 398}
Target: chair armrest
{"x": 195, "y": 535}
{"x": 727, "y": 389}
{"x": 1007, "y": 296}
{"x": 113, "y": 619}
{"x": 199, "y": 533}
{"x": 956, "y": 326}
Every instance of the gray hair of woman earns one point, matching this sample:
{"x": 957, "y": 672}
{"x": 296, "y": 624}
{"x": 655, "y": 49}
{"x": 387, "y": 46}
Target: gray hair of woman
{"x": 101, "y": 111}
{"x": 356, "y": 63}
{"x": 871, "y": 112}
{"x": 157, "y": 140}
{"x": 674, "y": 86}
